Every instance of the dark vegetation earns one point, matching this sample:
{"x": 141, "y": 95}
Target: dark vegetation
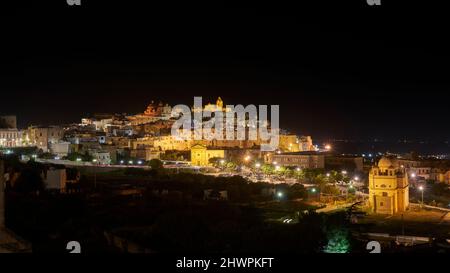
{"x": 168, "y": 214}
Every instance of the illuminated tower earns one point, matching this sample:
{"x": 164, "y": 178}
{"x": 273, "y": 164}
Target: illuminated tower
{"x": 219, "y": 103}
{"x": 388, "y": 188}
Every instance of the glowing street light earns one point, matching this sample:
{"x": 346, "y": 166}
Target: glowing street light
{"x": 94, "y": 160}
{"x": 130, "y": 162}
{"x": 222, "y": 161}
{"x": 257, "y": 165}
{"x": 413, "y": 175}
{"x": 121, "y": 161}
{"x": 78, "y": 159}
{"x": 275, "y": 163}
{"x": 344, "y": 172}
{"x": 328, "y": 174}
{"x": 139, "y": 162}
{"x": 277, "y": 168}
{"x": 327, "y": 147}
{"x": 421, "y": 189}
{"x": 356, "y": 178}
{"x": 279, "y": 194}
{"x": 297, "y": 169}
{"x": 247, "y": 158}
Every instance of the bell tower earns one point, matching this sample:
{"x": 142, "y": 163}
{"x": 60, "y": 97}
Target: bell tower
{"x": 388, "y": 188}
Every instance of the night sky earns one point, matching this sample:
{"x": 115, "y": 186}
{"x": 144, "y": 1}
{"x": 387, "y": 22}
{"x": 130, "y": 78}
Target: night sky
{"x": 342, "y": 70}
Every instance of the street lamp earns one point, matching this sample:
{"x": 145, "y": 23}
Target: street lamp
{"x": 95, "y": 173}
{"x": 421, "y": 189}
{"x": 356, "y": 178}
{"x": 328, "y": 174}
{"x": 413, "y": 175}
{"x": 344, "y": 172}
{"x": 327, "y": 147}
{"x": 279, "y": 194}
{"x": 277, "y": 168}
{"x": 247, "y": 158}
{"x": 275, "y": 163}
{"x": 297, "y": 169}
{"x": 130, "y": 162}
{"x": 257, "y": 165}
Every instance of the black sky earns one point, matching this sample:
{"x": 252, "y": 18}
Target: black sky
{"x": 343, "y": 70}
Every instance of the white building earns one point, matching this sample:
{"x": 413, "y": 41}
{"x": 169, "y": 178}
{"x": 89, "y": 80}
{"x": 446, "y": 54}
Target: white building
{"x": 60, "y": 149}
{"x": 102, "y": 157}
{"x": 55, "y": 179}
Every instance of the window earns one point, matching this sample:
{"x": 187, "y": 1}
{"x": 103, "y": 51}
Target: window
{"x": 385, "y": 194}
{"x": 381, "y": 204}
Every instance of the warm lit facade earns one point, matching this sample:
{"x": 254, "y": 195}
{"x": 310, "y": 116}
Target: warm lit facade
{"x": 42, "y": 137}
{"x": 388, "y": 188}
{"x": 200, "y": 155}
{"x": 305, "y": 144}
{"x": 289, "y": 143}
{"x": 10, "y": 138}
{"x": 304, "y": 160}
{"x": 169, "y": 142}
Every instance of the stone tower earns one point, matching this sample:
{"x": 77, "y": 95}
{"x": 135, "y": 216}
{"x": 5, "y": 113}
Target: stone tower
{"x": 388, "y": 188}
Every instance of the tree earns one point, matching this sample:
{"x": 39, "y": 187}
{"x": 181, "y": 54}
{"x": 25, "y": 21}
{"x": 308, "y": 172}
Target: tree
{"x": 267, "y": 169}
{"x": 215, "y": 161}
{"x": 288, "y": 172}
{"x": 338, "y": 241}
{"x": 300, "y": 174}
{"x": 47, "y": 156}
{"x": 330, "y": 189}
{"x": 155, "y": 164}
{"x": 230, "y": 166}
{"x": 29, "y": 181}
{"x": 321, "y": 181}
{"x": 75, "y": 156}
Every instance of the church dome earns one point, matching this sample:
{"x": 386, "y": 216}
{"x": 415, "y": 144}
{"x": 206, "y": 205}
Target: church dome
{"x": 385, "y": 163}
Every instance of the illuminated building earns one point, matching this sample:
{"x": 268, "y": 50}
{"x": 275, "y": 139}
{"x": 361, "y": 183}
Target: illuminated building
{"x": 200, "y": 155}
{"x": 10, "y": 138}
{"x": 42, "y": 137}
{"x": 388, "y": 188}
{"x": 304, "y": 160}
{"x": 289, "y": 143}
{"x": 305, "y": 144}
